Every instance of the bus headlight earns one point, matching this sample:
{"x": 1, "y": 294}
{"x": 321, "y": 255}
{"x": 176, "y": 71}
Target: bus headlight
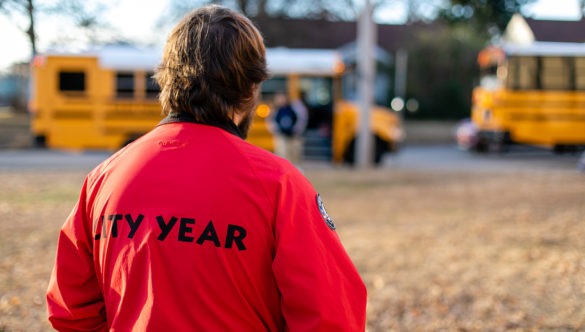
{"x": 263, "y": 111}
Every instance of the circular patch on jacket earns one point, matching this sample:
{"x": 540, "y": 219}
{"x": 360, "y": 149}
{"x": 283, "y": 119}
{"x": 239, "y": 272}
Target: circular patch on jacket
{"x": 324, "y": 214}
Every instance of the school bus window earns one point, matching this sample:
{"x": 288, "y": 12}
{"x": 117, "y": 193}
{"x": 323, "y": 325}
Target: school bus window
{"x": 522, "y": 73}
{"x": 555, "y": 74}
{"x": 491, "y": 70}
{"x": 124, "y": 84}
{"x": 152, "y": 88}
{"x": 490, "y": 78}
{"x": 317, "y": 91}
{"x": 349, "y": 84}
{"x": 317, "y": 94}
{"x": 580, "y": 73}
{"x": 527, "y": 77}
{"x": 71, "y": 81}
{"x": 272, "y": 86}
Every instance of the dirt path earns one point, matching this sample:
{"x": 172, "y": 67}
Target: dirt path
{"x": 438, "y": 251}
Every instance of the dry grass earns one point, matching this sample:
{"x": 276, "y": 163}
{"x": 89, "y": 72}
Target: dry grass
{"x": 438, "y": 251}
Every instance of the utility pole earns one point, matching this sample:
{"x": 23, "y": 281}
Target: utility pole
{"x": 401, "y": 71}
{"x": 400, "y": 74}
{"x": 366, "y": 64}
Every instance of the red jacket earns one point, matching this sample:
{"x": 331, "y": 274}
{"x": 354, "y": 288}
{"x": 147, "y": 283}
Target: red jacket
{"x": 190, "y": 228}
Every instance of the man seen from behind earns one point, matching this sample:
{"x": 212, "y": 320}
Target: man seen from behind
{"x": 191, "y": 228}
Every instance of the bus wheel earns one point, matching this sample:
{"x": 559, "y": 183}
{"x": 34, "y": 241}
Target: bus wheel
{"x": 380, "y": 148}
{"x": 559, "y": 149}
{"x": 498, "y": 147}
{"x": 40, "y": 142}
{"x": 481, "y": 146}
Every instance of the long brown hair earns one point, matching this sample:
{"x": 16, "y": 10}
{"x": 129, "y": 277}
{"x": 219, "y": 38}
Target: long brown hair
{"x": 212, "y": 62}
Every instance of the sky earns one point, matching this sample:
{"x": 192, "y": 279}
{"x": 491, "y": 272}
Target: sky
{"x": 135, "y": 20}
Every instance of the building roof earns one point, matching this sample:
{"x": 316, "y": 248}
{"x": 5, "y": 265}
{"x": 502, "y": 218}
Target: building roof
{"x": 558, "y": 31}
{"x": 306, "y": 33}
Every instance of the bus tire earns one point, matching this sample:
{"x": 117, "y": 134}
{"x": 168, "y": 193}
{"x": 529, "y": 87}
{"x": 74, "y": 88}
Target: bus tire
{"x": 40, "y": 142}
{"x": 481, "y": 146}
{"x": 380, "y": 148}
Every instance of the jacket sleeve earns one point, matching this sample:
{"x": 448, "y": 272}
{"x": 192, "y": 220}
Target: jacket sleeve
{"x": 74, "y": 298}
{"x": 320, "y": 287}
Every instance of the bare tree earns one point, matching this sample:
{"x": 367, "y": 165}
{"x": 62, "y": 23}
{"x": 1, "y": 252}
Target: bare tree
{"x": 27, "y": 10}
{"x": 488, "y": 16}
{"x": 422, "y": 10}
{"x": 326, "y": 9}
{"x": 24, "y": 8}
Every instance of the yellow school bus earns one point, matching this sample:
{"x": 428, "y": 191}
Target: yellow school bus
{"x": 106, "y": 99}
{"x": 531, "y": 94}
{"x": 94, "y": 100}
{"x": 319, "y": 77}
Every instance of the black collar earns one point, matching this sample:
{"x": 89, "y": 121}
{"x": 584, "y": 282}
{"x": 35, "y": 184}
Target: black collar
{"x": 230, "y": 127}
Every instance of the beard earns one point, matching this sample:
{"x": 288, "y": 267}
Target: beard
{"x": 244, "y": 125}
{"x": 250, "y": 107}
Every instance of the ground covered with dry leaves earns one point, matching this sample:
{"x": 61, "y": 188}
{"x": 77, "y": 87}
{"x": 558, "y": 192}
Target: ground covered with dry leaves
{"x": 439, "y": 251}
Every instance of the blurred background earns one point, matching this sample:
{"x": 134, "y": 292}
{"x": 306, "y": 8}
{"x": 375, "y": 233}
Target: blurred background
{"x": 426, "y": 51}
{"x": 473, "y": 220}
{"x": 442, "y": 37}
